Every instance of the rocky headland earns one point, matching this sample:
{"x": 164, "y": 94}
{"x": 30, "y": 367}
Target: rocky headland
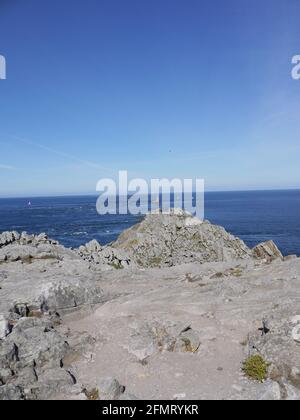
{"x": 173, "y": 309}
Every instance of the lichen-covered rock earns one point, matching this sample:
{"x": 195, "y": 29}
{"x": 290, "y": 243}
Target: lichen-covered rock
{"x": 29, "y": 353}
{"x": 162, "y": 240}
{"x": 154, "y": 337}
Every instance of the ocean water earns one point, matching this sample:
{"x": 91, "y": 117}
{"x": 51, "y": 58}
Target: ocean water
{"x": 253, "y": 216}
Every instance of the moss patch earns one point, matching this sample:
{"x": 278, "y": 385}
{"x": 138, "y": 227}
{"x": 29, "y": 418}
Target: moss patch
{"x": 155, "y": 261}
{"x": 35, "y": 314}
{"x": 256, "y": 368}
{"x": 92, "y": 395}
{"x": 117, "y": 266}
{"x": 236, "y": 272}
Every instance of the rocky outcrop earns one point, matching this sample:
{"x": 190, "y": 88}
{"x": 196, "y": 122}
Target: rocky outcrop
{"x": 105, "y": 257}
{"x": 162, "y": 240}
{"x": 7, "y": 238}
{"x": 278, "y": 342}
{"x": 267, "y": 250}
{"x": 28, "y": 356}
{"x": 171, "y": 324}
{"x": 39, "y": 281}
{"x": 165, "y": 240}
{"x": 43, "y": 276}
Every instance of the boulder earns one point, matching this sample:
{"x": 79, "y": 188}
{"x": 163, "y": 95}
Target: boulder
{"x": 267, "y": 250}
{"x": 68, "y": 293}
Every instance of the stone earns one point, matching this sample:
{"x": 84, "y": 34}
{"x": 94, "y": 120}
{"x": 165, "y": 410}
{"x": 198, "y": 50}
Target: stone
{"x": 109, "y": 389}
{"x": 271, "y": 392}
{"x": 291, "y": 393}
{"x": 69, "y": 293}
{"x": 11, "y": 393}
{"x": 7, "y": 238}
{"x": 36, "y": 342}
{"x": 296, "y": 333}
{"x": 5, "y": 374}
{"x": 93, "y": 246}
{"x": 52, "y": 382}
{"x": 4, "y": 327}
{"x": 187, "y": 342}
{"x": 267, "y": 250}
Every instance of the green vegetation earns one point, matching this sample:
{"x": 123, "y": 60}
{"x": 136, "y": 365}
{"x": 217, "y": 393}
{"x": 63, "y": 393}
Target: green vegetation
{"x": 92, "y": 395}
{"x": 236, "y": 272}
{"x": 155, "y": 261}
{"x": 35, "y": 314}
{"x": 256, "y": 368}
{"x": 117, "y": 266}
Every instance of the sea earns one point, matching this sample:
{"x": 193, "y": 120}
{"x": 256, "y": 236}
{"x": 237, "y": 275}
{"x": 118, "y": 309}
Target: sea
{"x": 254, "y": 216}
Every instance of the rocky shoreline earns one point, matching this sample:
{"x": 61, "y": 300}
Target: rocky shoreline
{"x": 171, "y": 310}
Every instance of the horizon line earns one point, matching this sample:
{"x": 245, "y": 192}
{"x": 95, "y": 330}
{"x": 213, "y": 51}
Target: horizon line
{"x": 94, "y": 194}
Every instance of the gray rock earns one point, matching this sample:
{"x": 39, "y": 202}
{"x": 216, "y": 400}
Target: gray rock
{"x": 109, "y": 389}
{"x": 7, "y": 238}
{"x": 5, "y": 374}
{"x": 92, "y": 246}
{"x": 51, "y": 382}
{"x": 152, "y": 337}
{"x": 4, "y": 327}
{"x": 34, "y": 352}
{"x": 106, "y": 257}
{"x": 271, "y": 392}
{"x": 188, "y": 342}
{"x": 162, "y": 240}
{"x": 69, "y": 293}
{"x": 296, "y": 333}
{"x": 11, "y": 393}
{"x": 34, "y": 340}
{"x": 292, "y": 393}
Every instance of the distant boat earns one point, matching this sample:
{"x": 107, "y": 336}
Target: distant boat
{"x": 29, "y": 203}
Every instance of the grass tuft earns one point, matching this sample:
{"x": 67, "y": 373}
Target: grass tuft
{"x": 256, "y": 368}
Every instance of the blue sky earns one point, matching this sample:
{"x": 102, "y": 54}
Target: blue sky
{"x": 172, "y": 88}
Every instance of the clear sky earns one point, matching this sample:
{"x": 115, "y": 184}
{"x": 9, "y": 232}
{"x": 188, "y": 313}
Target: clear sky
{"x": 161, "y": 88}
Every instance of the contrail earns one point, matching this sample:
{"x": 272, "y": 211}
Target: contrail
{"x": 8, "y": 167}
{"x": 61, "y": 154}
